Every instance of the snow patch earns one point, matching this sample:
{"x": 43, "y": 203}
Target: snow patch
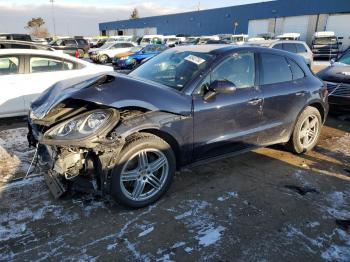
{"x": 227, "y": 196}
{"x": 210, "y": 236}
{"x": 146, "y": 232}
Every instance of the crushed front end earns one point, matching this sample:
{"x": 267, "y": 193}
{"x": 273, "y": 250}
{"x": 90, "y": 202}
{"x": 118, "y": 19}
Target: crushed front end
{"x": 78, "y": 150}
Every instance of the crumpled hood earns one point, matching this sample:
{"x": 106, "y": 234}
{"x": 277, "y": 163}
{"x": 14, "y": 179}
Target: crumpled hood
{"x": 339, "y": 73}
{"x": 113, "y": 90}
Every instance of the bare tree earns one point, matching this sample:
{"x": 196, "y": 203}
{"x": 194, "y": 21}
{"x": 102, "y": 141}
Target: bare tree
{"x": 35, "y": 25}
{"x": 134, "y": 14}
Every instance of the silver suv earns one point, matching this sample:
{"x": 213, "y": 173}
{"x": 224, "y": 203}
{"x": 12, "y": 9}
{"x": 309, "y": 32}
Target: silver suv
{"x": 294, "y": 46}
{"x": 297, "y": 47}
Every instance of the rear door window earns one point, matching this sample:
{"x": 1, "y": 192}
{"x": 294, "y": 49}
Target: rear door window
{"x": 46, "y": 64}
{"x": 81, "y": 41}
{"x": 290, "y": 47}
{"x": 301, "y": 48}
{"x": 70, "y": 42}
{"x": 278, "y": 46}
{"x": 274, "y": 69}
{"x": 9, "y": 65}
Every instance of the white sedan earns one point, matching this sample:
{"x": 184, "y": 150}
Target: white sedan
{"x": 26, "y": 73}
{"x": 105, "y": 53}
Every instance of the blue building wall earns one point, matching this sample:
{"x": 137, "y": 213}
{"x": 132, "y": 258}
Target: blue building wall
{"x": 220, "y": 20}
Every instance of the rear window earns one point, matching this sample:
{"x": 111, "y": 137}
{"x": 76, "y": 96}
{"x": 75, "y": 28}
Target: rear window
{"x": 9, "y": 65}
{"x": 275, "y": 69}
{"x": 298, "y": 73}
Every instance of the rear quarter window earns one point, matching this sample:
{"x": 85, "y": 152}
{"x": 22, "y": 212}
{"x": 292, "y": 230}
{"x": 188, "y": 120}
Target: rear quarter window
{"x": 298, "y": 73}
{"x": 274, "y": 69}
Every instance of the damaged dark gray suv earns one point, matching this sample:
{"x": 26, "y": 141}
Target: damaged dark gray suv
{"x": 126, "y": 135}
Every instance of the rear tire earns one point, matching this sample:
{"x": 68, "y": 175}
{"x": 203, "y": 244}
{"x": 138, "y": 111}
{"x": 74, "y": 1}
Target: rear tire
{"x": 144, "y": 171}
{"x": 306, "y": 132}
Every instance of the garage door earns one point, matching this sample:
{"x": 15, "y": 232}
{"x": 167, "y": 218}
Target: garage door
{"x": 256, "y": 27}
{"x": 339, "y": 24}
{"x": 296, "y": 24}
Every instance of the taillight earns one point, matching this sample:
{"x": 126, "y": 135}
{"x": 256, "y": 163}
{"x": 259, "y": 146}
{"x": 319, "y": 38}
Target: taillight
{"x": 76, "y": 53}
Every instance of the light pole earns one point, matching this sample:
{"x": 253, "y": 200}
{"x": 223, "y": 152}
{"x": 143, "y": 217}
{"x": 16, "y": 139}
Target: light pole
{"x": 235, "y": 26}
{"x": 53, "y": 16}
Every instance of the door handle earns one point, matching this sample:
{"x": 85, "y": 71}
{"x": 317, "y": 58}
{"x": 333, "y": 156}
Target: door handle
{"x": 301, "y": 93}
{"x": 255, "y": 101}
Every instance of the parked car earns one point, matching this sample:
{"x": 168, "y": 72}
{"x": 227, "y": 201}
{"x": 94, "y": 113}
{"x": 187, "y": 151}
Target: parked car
{"x": 19, "y": 37}
{"x": 337, "y": 78}
{"x": 240, "y": 39}
{"x": 173, "y": 40}
{"x": 25, "y": 73}
{"x": 204, "y": 39}
{"x": 131, "y": 51}
{"x": 105, "y": 53}
{"x": 14, "y": 44}
{"x": 152, "y": 39}
{"x": 132, "y": 60}
{"x": 127, "y": 134}
{"x": 297, "y": 47}
{"x": 289, "y": 36}
{"x": 71, "y": 45}
{"x": 325, "y": 45}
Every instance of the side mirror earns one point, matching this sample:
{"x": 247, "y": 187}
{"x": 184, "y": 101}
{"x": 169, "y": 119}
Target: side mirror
{"x": 220, "y": 87}
{"x": 332, "y": 61}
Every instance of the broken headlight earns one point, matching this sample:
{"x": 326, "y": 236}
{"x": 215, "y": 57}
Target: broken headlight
{"x": 82, "y": 126}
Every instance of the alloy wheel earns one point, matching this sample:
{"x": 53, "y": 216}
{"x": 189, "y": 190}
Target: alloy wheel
{"x": 144, "y": 174}
{"x": 309, "y": 129}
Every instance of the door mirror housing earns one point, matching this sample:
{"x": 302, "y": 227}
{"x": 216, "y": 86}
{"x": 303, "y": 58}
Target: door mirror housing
{"x": 332, "y": 61}
{"x": 220, "y": 87}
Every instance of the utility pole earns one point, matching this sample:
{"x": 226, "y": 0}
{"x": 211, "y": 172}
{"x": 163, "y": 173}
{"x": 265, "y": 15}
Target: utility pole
{"x": 53, "y": 16}
{"x": 199, "y": 6}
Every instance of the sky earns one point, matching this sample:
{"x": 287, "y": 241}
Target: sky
{"x": 81, "y": 17}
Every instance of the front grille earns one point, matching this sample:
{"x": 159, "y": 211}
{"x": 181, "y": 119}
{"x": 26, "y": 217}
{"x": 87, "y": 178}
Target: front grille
{"x": 338, "y": 89}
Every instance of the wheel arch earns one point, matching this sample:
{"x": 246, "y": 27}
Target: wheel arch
{"x": 167, "y": 138}
{"x": 319, "y": 107}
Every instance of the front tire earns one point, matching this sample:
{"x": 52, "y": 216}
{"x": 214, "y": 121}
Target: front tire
{"x": 306, "y": 132}
{"x": 144, "y": 171}
{"x": 103, "y": 59}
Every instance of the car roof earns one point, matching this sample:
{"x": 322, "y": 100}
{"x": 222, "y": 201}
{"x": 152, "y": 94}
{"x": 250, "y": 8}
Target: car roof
{"x": 220, "y": 48}
{"x": 19, "y": 51}
{"x": 23, "y": 43}
{"x": 290, "y": 41}
{"x": 223, "y": 49}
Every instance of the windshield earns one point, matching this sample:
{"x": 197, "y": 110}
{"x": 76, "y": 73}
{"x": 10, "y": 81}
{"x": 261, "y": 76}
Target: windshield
{"x": 345, "y": 59}
{"x": 326, "y": 41}
{"x": 106, "y": 45}
{"x": 174, "y": 68}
